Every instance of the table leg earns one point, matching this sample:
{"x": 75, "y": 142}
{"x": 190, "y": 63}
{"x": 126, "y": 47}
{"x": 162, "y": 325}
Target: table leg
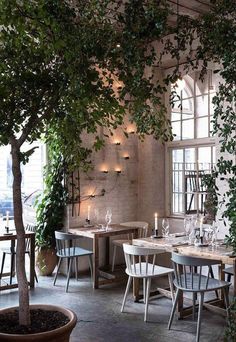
{"x": 95, "y": 261}
{"x": 32, "y": 260}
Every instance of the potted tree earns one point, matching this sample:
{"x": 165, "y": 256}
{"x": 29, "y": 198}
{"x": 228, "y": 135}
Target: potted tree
{"x": 60, "y": 61}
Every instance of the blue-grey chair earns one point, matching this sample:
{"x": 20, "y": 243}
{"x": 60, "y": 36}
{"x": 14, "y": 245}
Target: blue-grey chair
{"x": 186, "y": 279}
{"x": 66, "y": 245}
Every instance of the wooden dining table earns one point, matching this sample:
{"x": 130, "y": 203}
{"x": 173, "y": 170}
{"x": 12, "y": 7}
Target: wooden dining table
{"x": 220, "y": 253}
{"x": 103, "y": 276}
{"x": 12, "y": 237}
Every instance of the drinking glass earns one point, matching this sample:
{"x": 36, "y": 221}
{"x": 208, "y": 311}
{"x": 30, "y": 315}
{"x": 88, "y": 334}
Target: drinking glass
{"x": 165, "y": 227}
{"x": 108, "y": 218}
{"x": 187, "y": 226}
{"x": 215, "y": 230}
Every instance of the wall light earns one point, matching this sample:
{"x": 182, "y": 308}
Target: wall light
{"x": 126, "y": 157}
{"x": 118, "y": 172}
{"x": 117, "y": 143}
{"x": 105, "y": 171}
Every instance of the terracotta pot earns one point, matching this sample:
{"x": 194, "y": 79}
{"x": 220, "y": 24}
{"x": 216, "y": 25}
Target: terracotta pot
{"x": 46, "y": 261}
{"x": 61, "y": 334}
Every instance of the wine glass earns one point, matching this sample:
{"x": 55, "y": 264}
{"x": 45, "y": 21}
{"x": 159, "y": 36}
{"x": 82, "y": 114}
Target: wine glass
{"x": 215, "y": 230}
{"x": 165, "y": 227}
{"x": 187, "y": 226}
{"x": 108, "y": 218}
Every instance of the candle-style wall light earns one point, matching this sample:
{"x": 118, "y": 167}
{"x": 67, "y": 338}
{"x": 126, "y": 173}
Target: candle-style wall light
{"x": 117, "y": 143}
{"x": 105, "y": 171}
{"x": 126, "y": 157}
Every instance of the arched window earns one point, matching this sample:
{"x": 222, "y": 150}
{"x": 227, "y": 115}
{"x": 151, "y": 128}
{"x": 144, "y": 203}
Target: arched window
{"x": 192, "y": 152}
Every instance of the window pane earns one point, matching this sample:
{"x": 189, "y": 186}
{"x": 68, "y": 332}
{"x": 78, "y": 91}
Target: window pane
{"x": 202, "y": 105}
{"x": 202, "y": 127}
{"x": 189, "y": 154}
{"x": 187, "y": 109}
{"x": 211, "y": 127}
{"x": 204, "y": 158}
{"x": 175, "y": 116}
{"x": 176, "y": 130}
{"x": 178, "y": 156}
{"x": 188, "y": 129}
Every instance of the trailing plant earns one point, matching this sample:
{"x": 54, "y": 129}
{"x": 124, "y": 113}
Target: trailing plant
{"x": 211, "y": 202}
{"x": 51, "y": 205}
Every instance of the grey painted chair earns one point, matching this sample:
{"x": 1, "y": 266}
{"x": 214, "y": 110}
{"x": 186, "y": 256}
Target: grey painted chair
{"x": 230, "y": 272}
{"x": 12, "y": 252}
{"x": 66, "y": 245}
{"x": 142, "y": 232}
{"x": 146, "y": 270}
{"x": 187, "y": 280}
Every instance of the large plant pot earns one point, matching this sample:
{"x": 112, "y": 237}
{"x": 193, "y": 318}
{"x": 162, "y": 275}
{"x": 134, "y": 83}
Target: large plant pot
{"x": 61, "y": 334}
{"x": 46, "y": 261}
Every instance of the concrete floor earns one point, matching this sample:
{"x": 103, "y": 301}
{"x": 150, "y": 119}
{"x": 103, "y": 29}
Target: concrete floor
{"x": 99, "y": 317}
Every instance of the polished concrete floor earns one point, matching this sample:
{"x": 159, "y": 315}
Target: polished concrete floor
{"x": 100, "y": 319}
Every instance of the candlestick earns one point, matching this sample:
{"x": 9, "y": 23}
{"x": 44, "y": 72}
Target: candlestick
{"x": 156, "y": 224}
{"x": 7, "y": 219}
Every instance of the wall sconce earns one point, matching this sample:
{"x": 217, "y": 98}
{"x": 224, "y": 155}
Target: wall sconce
{"x": 118, "y": 172}
{"x": 117, "y": 143}
{"x": 126, "y": 157}
{"x": 104, "y": 171}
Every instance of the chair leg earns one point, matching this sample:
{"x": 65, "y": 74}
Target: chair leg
{"x": 173, "y": 308}
{"x": 212, "y": 276}
{"x": 58, "y": 267}
{"x": 199, "y": 316}
{"x": 226, "y": 298}
{"x": 76, "y": 268}
{"x": 12, "y": 267}
{"x": 170, "y": 277}
{"x": 147, "y": 298}
{"x": 3, "y": 262}
{"x": 229, "y": 277}
{"x": 68, "y": 274}
{"x": 126, "y": 293}
{"x": 91, "y": 266}
{"x": 194, "y": 304}
{"x": 144, "y": 290}
{"x": 113, "y": 258}
{"x": 35, "y": 275}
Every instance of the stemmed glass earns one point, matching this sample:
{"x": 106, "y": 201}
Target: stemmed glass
{"x": 215, "y": 230}
{"x": 165, "y": 227}
{"x": 187, "y": 226}
{"x": 108, "y": 218}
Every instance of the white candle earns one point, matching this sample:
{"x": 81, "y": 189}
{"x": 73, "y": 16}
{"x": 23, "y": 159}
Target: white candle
{"x": 201, "y": 228}
{"x": 88, "y": 212}
{"x": 7, "y": 218}
{"x": 156, "y": 223}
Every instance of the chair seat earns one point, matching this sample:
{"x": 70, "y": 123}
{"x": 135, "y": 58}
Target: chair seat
{"x": 147, "y": 270}
{"x": 73, "y": 252}
{"x": 192, "y": 284}
{"x": 120, "y": 242}
{"x": 229, "y": 270}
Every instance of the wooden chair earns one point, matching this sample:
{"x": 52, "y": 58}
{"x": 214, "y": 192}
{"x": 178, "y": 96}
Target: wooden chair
{"x": 142, "y": 232}
{"x": 194, "y": 187}
{"x": 187, "y": 280}
{"x": 66, "y": 245}
{"x": 146, "y": 270}
{"x": 229, "y": 271}
{"x": 12, "y": 252}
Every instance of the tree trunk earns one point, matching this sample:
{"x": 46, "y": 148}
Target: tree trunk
{"x": 24, "y": 313}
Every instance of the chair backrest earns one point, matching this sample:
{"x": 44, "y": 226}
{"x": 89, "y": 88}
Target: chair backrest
{"x": 29, "y": 228}
{"x": 65, "y": 243}
{"x": 185, "y": 271}
{"x": 194, "y": 181}
{"x": 134, "y": 256}
{"x": 143, "y": 227}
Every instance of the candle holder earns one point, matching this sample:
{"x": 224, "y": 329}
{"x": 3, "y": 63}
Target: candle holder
{"x": 7, "y": 230}
{"x": 155, "y": 236}
{"x": 87, "y": 221}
